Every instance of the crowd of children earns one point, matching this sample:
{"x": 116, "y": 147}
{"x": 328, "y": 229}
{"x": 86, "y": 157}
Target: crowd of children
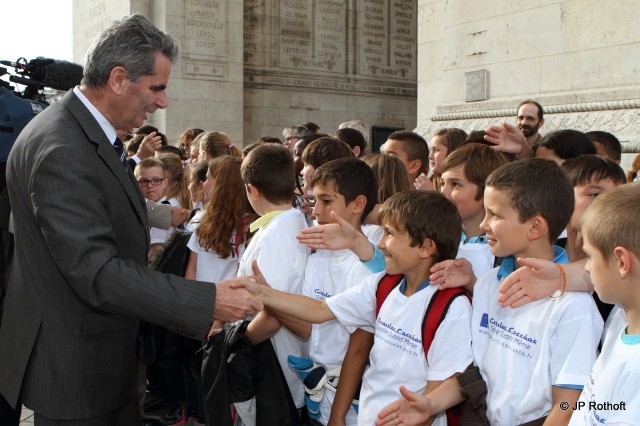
{"x": 431, "y": 283}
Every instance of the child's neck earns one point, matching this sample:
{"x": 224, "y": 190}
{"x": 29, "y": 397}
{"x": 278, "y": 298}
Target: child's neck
{"x": 539, "y": 249}
{"x": 631, "y": 306}
{"x": 416, "y": 277}
{"x": 266, "y": 207}
{"x": 471, "y": 226}
{"x": 574, "y": 245}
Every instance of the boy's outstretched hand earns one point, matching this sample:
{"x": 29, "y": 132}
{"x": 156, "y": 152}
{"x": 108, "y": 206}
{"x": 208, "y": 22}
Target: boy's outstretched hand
{"x": 332, "y": 236}
{"x": 508, "y": 138}
{"x": 254, "y": 284}
{"x": 412, "y": 409}
{"x": 534, "y": 280}
{"x": 452, "y": 273}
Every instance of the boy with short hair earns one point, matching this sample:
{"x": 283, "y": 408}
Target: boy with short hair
{"x": 591, "y": 175}
{"x": 319, "y": 152}
{"x": 420, "y": 229}
{"x": 545, "y": 349}
{"x": 412, "y": 149}
{"x": 463, "y": 177}
{"x": 611, "y": 230}
{"x": 269, "y": 176}
{"x": 345, "y": 187}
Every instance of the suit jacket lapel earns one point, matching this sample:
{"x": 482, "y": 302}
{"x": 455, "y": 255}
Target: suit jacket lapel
{"x": 105, "y": 150}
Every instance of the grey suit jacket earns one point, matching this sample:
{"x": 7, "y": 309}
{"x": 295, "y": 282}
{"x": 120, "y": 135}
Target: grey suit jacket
{"x": 80, "y": 282}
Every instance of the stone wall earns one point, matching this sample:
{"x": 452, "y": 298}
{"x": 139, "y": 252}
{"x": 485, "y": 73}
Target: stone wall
{"x": 578, "y": 58}
{"x": 329, "y": 61}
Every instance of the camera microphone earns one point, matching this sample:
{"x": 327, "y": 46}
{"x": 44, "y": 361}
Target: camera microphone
{"x": 56, "y": 74}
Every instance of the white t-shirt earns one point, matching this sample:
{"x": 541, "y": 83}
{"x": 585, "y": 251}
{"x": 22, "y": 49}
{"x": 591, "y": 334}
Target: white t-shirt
{"x": 210, "y": 267}
{"x": 194, "y": 221}
{"x": 282, "y": 261}
{"x": 397, "y": 357}
{"x": 479, "y": 255}
{"x": 330, "y": 272}
{"x": 611, "y": 394}
{"x": 372, "y": 232}
{"x": 522, "y": 352}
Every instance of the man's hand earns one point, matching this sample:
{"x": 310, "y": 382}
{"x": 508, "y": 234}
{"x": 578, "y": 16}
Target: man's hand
{"x": 452, "y": 273}
{"x": 148, "y": 146}
{"x": 508, "y": 138}
{"x": 534, "y": 280}
{"x": 412, "y": 409}
{"x": 179, "y": 216}
{"x": 233, "y": 304}
{"x": 332, "y": 236}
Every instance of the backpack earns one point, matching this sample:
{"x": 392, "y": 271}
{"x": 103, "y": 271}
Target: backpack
{"x": 433, "y": 317}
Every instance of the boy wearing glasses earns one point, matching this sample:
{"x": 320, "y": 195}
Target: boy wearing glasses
{"x": 152, "y": 180}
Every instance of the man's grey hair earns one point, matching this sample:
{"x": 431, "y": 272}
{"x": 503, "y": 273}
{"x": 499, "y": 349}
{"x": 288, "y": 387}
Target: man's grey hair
{"x": 130, "y": 42}
{"x": 359, "y": 126}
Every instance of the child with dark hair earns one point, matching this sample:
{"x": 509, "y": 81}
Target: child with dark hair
{"x": 354, "y": 139}
{"x": 606, "y": 144}
{"x": 562, "y": 145}
{"x": 269, "y": 178}
{"x": 411, "y": 149}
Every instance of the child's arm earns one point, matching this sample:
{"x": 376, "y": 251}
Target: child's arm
{"x": 262, "y": 327}
{"x": 300, "y": 307}
{"x": 298, "y": 327}
{"x": 336, "y": 236}
{"x": 416, "y": 409}
{"x": 190, "y": 272}
{"x": 353, "y": 365}
{"x": 453, "y": 273}
{"x": 557, "y": 415}
{"x": 537, "y": 279}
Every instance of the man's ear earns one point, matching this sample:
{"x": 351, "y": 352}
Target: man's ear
{"x": 118, "y": 78}
{"x": 428, "y": 248}
{"x": 539, "y": 228}
{"x": 541, "y": 122}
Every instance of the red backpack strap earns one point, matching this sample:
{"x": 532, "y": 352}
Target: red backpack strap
{"x": 435, "y": 313}
{"x": 433, "y": 317}
{"x": 385, "y": 286}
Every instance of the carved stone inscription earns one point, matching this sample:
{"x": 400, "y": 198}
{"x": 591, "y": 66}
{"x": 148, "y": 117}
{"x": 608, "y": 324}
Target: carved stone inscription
{"x": 313, "y": 35}
{"x": 387, "y": 38}
{"x": 253, "y": 32}
{"x": 205, "y": 29}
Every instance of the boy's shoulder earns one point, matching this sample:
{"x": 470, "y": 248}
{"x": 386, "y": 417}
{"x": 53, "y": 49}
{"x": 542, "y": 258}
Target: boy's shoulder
{"x": 288, "y": 222}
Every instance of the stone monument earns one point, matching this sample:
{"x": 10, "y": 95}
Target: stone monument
{"x": 479, "y": 60}
{"x": 250, "y": 68}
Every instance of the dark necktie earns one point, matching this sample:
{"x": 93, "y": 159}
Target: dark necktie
{"x": 117, "y": 145}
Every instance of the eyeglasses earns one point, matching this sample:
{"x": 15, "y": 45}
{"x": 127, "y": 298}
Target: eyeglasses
{"x": 154, "y": 182}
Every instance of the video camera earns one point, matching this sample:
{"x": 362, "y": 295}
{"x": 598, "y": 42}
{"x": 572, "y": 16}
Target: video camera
{"x": 18, "y": 108}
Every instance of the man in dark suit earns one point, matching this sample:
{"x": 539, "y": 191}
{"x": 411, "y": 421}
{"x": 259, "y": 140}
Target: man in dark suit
{"x": 79, "y": 283}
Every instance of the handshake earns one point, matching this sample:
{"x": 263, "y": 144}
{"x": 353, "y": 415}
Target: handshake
{"x": 238, "y": 298}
